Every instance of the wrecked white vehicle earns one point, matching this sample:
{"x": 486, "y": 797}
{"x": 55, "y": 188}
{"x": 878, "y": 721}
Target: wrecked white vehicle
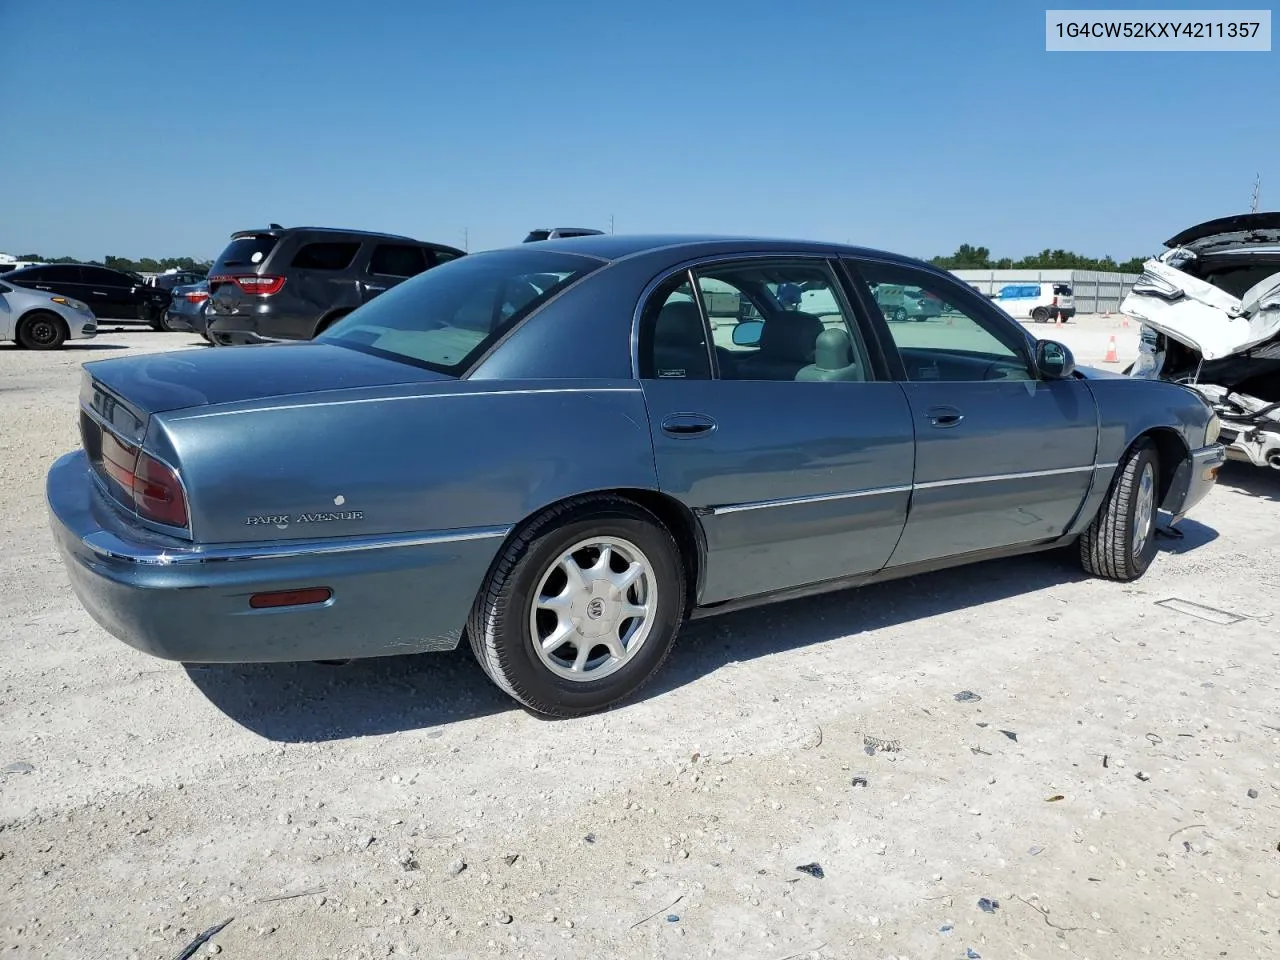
{"x": 1209, "y": 308}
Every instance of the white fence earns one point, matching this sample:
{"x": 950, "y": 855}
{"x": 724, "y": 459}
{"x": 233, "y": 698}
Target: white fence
{"x": 1095, "y": 291}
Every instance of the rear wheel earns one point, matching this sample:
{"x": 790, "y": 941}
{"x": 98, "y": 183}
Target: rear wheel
{"x": 328, "y": 322}
{"x": 1040, "y": 315}
{"x": 42, "y": 331}
{"x": 581, "y": 607}
{"x": 1120, "y": 543}
{"x": 899, "y": 315}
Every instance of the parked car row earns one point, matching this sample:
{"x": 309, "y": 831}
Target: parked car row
{"x": 276, "y": 283}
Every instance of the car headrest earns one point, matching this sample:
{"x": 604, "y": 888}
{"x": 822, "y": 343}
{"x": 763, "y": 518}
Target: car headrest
{"x": 833, "y": 350}
{"x": 790, "y": 336}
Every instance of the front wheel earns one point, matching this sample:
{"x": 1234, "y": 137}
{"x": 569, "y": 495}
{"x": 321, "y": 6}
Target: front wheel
{"x": 42, "y": 331}
{"x": 1120, "y": 543}
{"x": 581, "y": 607}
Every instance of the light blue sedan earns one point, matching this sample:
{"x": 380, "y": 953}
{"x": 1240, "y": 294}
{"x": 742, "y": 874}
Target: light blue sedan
{"x": 556, "y": 454}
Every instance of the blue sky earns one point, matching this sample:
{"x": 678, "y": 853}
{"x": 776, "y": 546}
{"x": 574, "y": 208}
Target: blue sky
{"x": 156, "y": 129}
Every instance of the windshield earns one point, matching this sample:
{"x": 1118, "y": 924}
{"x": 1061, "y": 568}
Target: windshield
{"x": 445, "y": 318}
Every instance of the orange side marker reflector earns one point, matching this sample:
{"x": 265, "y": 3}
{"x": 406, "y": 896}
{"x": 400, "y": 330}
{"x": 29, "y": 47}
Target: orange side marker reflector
{"x": 290, "y": 598}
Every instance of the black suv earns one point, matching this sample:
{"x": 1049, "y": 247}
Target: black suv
{"x": 110, "y": 294}
{"x": 290, "y": 283}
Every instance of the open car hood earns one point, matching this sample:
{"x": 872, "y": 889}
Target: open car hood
{"x": 1201, "y": 315}
{"x": 1240, "y": 229}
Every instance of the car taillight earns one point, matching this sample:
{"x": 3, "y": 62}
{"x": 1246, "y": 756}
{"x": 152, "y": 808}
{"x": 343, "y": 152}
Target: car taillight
{"x": 196, "y": 297}
{"x": 154, "y": 488}
{"x": 262, "y": 286}
{"x": 157, "y": 493}
{"x": 1055, "y": 301}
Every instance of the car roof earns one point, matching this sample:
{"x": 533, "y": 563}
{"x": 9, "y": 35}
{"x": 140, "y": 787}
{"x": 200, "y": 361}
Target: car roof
{"x": 691, "y": 246}
{"x": 335, "y": 231}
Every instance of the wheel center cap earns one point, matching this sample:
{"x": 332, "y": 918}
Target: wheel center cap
{"x": 595, "y": 609}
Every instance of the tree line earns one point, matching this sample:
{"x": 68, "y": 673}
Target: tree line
{"x": 145, "y": 265}
{"x": 968, "y": 257}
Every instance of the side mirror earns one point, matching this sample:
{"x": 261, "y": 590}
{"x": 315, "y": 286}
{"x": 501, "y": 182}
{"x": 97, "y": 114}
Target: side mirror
{"x": 1053, "y": 360}
{"x": 747, "y": 333}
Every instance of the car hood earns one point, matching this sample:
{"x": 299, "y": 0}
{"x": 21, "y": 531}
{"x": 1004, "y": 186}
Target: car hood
{"x": 1239, "y": 230}
{"x": 190, "y": 378}
{"x": 1202, "y": 316}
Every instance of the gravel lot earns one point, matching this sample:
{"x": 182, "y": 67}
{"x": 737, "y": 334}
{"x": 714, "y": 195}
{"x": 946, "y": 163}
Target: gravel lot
{"x": 1116, "y": 789}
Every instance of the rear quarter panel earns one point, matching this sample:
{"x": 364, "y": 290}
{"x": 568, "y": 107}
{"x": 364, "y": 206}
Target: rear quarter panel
{"x": 407, "y": 459}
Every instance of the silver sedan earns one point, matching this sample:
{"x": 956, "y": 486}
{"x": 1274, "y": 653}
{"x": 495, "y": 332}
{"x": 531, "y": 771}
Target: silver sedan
{"x": 39, "y": 320}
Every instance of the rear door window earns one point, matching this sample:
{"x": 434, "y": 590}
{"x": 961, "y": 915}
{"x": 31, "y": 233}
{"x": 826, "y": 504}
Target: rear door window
{"x": 325, "y": 256}
{"x": 397, "y": 260}
{"x": 101, "y": 277}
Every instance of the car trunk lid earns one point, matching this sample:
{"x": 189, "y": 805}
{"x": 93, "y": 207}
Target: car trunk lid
{"x": 155, "y": 383}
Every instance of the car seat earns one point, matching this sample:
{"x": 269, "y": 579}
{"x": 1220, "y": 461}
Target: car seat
{"x": 833, "y": 358}
{"x": 787, "y": 344}
{"x": 680, "y": 343}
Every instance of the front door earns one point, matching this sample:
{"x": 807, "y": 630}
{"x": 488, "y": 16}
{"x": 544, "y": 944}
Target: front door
{"x": 779, "y": 437}
{"x": 1002, "y": 457}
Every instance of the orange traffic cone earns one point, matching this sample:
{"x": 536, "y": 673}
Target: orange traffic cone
{"x": 1112, "y": 356}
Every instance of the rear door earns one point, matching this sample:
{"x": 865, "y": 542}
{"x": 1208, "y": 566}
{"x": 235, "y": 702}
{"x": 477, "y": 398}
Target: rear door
{"x": 320, "y": 280}
{"x": 1002, "y": 457}
{"x": 391, "y": 263}
{"x": 778, "y": 432}
{"x": 113, "y": 293}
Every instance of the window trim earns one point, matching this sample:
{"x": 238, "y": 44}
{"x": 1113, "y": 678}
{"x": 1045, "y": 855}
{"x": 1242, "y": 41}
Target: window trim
{"x": 861, "y": 321}
{"x": 965, "y": 295}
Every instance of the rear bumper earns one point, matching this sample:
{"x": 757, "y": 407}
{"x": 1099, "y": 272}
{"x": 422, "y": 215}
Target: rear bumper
{"x": 178, "y": 321}
{"x": 391, "y": 595}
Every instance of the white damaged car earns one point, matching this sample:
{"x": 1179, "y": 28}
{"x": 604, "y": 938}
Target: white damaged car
{"x": 1209, "y": 308}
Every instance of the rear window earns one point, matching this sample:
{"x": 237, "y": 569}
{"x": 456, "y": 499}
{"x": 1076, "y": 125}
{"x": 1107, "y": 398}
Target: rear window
{"x": 245, "y": 252}
{"x": 1061, "y": 290}
{"x": 446, "y": 318}
{"x": 535, "y": 235}
{"x": 325, "y": 256}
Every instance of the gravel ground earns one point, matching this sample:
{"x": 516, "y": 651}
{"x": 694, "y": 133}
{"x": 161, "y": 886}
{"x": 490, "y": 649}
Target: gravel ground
{"x": 1114, "y": 792}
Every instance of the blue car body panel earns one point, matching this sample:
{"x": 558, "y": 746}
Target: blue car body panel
{"x": 394, "y": 486}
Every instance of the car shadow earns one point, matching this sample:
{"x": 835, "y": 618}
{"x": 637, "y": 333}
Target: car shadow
{"x": 309, "y": 702}
{"x": 1255, "y": 481}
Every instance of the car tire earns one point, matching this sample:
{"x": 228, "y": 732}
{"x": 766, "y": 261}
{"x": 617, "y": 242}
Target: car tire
{"x": 42, "y": 331}
{"x": 1040, "y": 315}
{"x": 1120, "y": 543}
{"x": 899, "y": 315}
{"x": 509, "y": 630}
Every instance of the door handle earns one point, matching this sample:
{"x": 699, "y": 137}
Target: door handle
{"x": 100, "y": 293}
{"x": 944, "y": 416}
{"x": 41, "y": 286}
{"x": 687, "y": 424}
